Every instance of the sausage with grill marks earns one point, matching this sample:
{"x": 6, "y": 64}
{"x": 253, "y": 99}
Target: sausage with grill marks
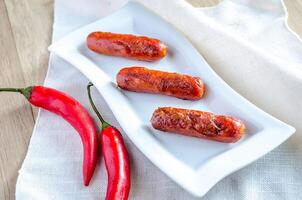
{"x": 126, "y": 45}
{"x": 199, "y": 124}
{"x": 141, "y": 79}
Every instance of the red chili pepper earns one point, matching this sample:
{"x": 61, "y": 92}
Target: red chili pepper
{"x": 116, "y": 158}
{"x": 73, "y": 112}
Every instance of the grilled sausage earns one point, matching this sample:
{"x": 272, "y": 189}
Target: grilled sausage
{"x": 198, "y": 124}
{"x": 141, "y": 79}
{"x": 126, "y": 45}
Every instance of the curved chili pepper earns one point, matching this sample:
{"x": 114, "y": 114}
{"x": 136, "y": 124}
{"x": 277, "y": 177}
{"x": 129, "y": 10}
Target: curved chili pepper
{"x": 73, "y": 112}
{"x": 116, "y": 158}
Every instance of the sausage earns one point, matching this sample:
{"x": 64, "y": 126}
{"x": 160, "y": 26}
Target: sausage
{"x": 198, "y": 124}
{"x": 126, "y": 45}
{"x": 141, "y": 79}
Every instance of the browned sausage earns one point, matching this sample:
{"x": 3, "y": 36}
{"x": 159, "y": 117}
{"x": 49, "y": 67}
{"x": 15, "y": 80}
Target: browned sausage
{"x": 141, "y": 79}
{"x": 126, "y": 45}
{"x": 198, "y": 124}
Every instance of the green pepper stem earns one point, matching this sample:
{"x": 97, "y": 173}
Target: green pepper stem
{"x": 104, "y": 123}
{"x": 25, "y": 91}
{"x": 10, "y": 90}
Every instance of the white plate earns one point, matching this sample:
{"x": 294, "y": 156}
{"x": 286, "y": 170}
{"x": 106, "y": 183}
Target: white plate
{"x": 193, "y": 163}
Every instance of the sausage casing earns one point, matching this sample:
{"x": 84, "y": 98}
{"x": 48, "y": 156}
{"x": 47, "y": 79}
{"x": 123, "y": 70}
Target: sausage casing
{"x": 126, "y": 45}
{"x": 198, "y": 124}
{"x": 141, "y": 79}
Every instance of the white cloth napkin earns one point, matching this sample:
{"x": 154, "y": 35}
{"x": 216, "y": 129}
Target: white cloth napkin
{"x": 247, "y": 43}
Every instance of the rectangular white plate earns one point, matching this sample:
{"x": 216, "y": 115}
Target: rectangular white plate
{"x": 193, "y": 163}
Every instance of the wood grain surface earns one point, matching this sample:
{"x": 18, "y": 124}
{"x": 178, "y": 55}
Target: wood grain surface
{"x": 25, "y": 33}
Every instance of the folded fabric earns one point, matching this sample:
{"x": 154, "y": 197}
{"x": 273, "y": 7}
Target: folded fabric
{"x": 246, "y": 42}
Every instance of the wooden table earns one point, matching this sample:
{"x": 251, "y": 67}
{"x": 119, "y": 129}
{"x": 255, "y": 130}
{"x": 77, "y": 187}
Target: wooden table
{"x": 25, "y": 33}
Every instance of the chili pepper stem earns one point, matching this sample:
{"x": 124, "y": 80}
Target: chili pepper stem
{"x": 25, "y": 91}
{"x": 104, "y": 123}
